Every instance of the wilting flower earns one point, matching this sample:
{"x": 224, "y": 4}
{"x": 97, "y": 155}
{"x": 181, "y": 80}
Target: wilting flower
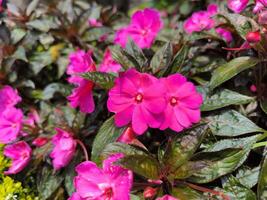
{"x": 40, "y": 141}
{"x": 225, "y": 34}
{"x": 137, "y": 98}
{"x": 8, "y": 97}
{"x": 94, "y": 22}
{"x": 64, "y": 149}
{"x": 201, "y": 20}
{"x": 237, "y": 6}
{"x": 183, "y": 103}
{"x": 109, "y": 64}
{"x": 82, "y": 95}
{"x": 111, "y": 182}
{"x": 20, "y": 154}
{"x": 10, "y": 124}
{"x": 167, "y": 197}
{"x": 143, "y": 28}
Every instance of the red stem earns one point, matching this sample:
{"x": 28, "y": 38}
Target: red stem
{"x": 84, "y": 149}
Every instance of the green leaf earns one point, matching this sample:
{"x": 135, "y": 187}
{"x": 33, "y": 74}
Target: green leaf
{"x": 20, "y": 54}
{"x": 229, "y": 70}
{"x": 136, "y": 159}
{"x": 39, "y": 60}
{"x": 183, "y": 192}
{"x": 135, "y": 54}
{"x": 241, "y": 23}
{"x": 235, "y": 190}
{"x": 218, "y": 163}
{"x": 95, "y": 33}
{"x": 102, "y": 79}
{"x": 107, "y": 133}
{"x": 231, "y": 123}
{"x": 179, "y": 59}
{"x": 53, "y": 88}
{"x": 262, "y": 184}
{"x": 162, "y": 58}
{"x": 43, "y": 25}
{"x": 182, "y": 147}
{"x": 223, "y": 98}
{"x": 31, "y": 7}
{"x": 263, "y": 105}
{"x": 48, "y": 182}
{"x": 17, "y": 35}
{"x": 119, "y": 57}
{"x": 248, "y": 177}
{"x": 222, "y": 159}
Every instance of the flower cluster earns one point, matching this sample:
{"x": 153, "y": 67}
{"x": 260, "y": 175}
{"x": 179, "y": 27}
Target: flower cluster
{"x": 143, "y": 29}
{"x": 145, "y": 101}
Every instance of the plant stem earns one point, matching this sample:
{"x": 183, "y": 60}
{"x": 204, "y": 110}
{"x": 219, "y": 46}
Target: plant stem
{"x": 84, "y": 149}
{"x": 259, "y": 144}
{"x": 263, "y": 136}
{"x": 203, "y": 189}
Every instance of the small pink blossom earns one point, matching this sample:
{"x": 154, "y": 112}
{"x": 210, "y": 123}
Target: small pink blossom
{"x": 183, "y": 103}
{"x": 111, "y": 182}
{"x": 32, "y": 118}
{"x": 137, "y": 98}
{"x": 64, "y": 149}
{"x": 167, "y": 197}
{"x": 253, "y": 88}
{"x": 94, "y": 22}
{"x": 10, "y": 124}
{"x": 109, "y": 64}
{"x": 82, "y": 95}
{"x": 237, "y": 6}
{"x": 198, "y": 22}
{"x": 259, "y": 6}
{"x": 225, "y": 34}
{"x": 212, "y": 9}
{"x": 20, "y": 154}
{"x": 8, "y": 97}
{"x": 40, "y": 141}
{"x": 143, "y": 28}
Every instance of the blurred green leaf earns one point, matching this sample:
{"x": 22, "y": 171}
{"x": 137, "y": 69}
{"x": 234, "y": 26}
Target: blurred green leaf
{"x": 179, "y": 59}
{"x": 43, "y": 25}
{"x": 17, "y": 34}
{"x": 229, "y": 70}
{"x": 48, "y": 182}
{"x": 186, "y": 193}
{"x": 102, "y": 79}
{"x": 20, "y": 54}
{"x": 223, "y": 98}
{"x": 262, "y": 184}
{"x": 162, "y": 58}
{"x": 107, "y": 133}
{"x": 119, "y": 57}
{"x": 248, "y": 177}
{"x": 183, "y": 146}
{"x": 235, "y": 190}
{"x": 263, "y": 104}
{"x": 53, "y": 88}
{"x": 231, "y": 123}
{"x": 39, "y": 60}
{"x": 135, "y": 54}
{"x": 94, "y": 34}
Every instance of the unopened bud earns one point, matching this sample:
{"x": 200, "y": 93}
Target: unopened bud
{"x": 40, "y": 141}
{"x": 253, "y": 37}
{"x": 150, "y": 192}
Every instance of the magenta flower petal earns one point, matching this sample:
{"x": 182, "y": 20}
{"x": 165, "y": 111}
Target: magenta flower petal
{"x": 225, "y": 34}
{"x": 237, "y": 6}
{"x": 75, "y": 196}
{"x": 167, "y": 197}
{"x": 124, "y": 117}
{"x": 138, "y": 121}
{"x": 8, "y": 97}
{"x": 109, "y": 64}
{"x": 85, "y": 188}
{"x": 20, "y": 154}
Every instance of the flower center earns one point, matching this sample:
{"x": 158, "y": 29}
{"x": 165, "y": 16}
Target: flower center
{"x": 108, "y": 193}
{"x": 173, "y": 101}
{"x": 139, "y": 98}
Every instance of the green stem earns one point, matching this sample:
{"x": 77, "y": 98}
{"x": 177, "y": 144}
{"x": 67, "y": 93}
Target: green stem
{"x": 263, "y": 136}
{"x": 259, "y": 144}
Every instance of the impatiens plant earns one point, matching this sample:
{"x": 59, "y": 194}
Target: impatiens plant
{"x": 127, "y": 100}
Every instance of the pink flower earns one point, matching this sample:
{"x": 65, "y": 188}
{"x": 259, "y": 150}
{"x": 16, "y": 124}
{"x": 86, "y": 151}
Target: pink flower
{"x": 40, "y": 141}
{"x": 8, "y": 97}
{"x": 109, "y": 64}
{"x": 150, "y": 192}
{"x": 143, "y": 29}
{"x": 198, "y": 22}
{"x": 167, "y": 197}
{"x": 94, "y": 23}
{"x": 20, "y": 154}
{"x": 237, "y": 6}
{"x": 32, "y": 118}
{"x": 112, "y": 182}
{"x": 137, "y": 98}
{"x": 82, "y": 95}
{"x": 183, "y": 103}
{"x": 10, "y": 124}
{"x": 64, "y": 149}
{"x": 258, "y": 6}
{"x": 212, "y": 9}
{"x": 253, "y": 88}
{"x": 225, "y": 34}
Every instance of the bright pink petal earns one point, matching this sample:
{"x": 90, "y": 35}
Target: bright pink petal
{"x": 138, "y": 122}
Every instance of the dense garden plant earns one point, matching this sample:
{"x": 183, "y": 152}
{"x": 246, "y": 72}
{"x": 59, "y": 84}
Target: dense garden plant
{"x": 118, "y": 100}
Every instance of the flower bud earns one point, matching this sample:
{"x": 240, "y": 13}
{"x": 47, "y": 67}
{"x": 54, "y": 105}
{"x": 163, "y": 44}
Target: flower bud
{"x": 253, "y": 37}
{"x": 150, "y": 192}
{"x": 262, "y": 17}
{"x": 40, "y": 141}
